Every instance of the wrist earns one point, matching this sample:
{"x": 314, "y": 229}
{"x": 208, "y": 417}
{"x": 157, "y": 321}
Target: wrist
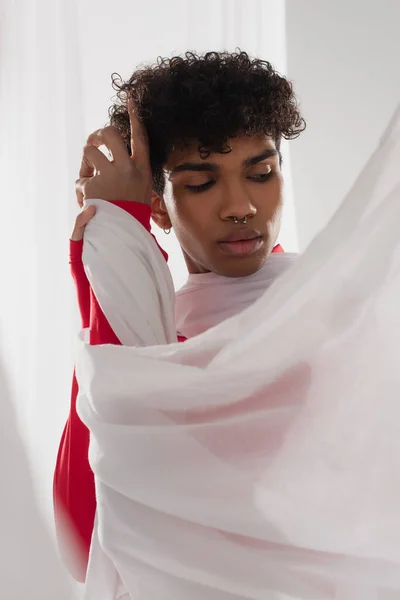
{"x": 77, "y": 235}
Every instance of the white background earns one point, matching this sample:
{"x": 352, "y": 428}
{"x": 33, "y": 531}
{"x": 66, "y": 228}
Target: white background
{"x": 344, "y": 60}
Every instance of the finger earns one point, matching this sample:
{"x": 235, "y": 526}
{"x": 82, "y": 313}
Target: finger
{"x": 139, "y": 139}
{"x": 81, "y": 221}
{"x": 111, "y": 138}
{"x": 81, "y": 186}
{"x": 79, "y": 198}
{"x": 79, "y": 193}
{"x": 87, "y": 167}
{"x": 85, "y": 216}
{"x": 92, "y": 161}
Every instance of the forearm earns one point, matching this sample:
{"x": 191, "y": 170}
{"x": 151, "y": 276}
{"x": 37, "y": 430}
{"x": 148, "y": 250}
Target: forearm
{"x": 81, "y": 281}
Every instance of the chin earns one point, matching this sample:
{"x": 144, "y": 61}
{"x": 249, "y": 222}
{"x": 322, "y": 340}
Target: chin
{"x": 240, "y": 267}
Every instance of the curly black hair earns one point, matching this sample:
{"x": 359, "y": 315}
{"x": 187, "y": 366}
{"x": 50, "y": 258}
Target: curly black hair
{"x": 209, "y": 98}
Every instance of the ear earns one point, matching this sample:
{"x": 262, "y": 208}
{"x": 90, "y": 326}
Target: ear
{"x": 159, "y": 212}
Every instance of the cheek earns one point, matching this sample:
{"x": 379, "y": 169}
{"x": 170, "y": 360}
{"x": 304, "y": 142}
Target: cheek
{"x": 275, "y": 216}
{"x": 269, "y": 201}
{"x": 190, "y": 214}
{"x": 192, "y": 227}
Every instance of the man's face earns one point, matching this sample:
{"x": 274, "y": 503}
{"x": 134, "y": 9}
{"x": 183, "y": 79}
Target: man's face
{"x": 204, "y": 198}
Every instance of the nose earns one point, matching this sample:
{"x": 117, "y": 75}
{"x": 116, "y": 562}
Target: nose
{"x": 237, "y": 202}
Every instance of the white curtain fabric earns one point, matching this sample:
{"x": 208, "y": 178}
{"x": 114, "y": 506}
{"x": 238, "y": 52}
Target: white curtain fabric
{"x": 41, "y": 139}
{"x": 56, "y": 58}
{"x": 29, "y": 568}
{"x": 40, "y": 146}
{"x": 261, "y": 459}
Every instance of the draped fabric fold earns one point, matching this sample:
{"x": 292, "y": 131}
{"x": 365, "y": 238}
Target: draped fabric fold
{"x": 260, "y": 459}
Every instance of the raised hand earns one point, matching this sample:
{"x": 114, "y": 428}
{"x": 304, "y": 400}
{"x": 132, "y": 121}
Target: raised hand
{"x": 122, "y": 177}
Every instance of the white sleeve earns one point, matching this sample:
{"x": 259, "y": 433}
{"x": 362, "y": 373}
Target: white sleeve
{"x": 129, "y": 277}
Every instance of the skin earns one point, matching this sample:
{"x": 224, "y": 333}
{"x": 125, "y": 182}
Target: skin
{"x": 201, "y": 195}
{"x": 200, "y": 204}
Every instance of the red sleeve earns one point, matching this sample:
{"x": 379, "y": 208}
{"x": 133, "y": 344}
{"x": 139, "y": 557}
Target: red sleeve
{"x": 74, "y": 490}
{"x": 81, "y": 282}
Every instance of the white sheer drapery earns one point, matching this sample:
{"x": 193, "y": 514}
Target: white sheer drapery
{"x": 261, "y": 459}
{"x": 56, "y": 58}
{"x": 29, "y": 567}
{"x": 41, "y": 137}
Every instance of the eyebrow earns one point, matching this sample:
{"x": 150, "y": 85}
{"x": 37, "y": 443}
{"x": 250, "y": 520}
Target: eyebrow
{"x": 254, "y": 160}
{"x": 207, "y": 166}
{"x": 192, "y": 166}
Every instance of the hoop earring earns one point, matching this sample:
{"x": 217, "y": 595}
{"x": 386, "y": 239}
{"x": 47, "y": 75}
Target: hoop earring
{"x": 167, "y": 231}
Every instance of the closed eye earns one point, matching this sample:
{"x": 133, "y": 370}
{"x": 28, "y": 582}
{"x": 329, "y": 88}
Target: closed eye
{"x": 197, "y": 189}
{"x": 261, "y": 177}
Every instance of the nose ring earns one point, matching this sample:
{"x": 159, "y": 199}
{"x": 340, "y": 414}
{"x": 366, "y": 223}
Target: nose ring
{"x": 236, "y": 220}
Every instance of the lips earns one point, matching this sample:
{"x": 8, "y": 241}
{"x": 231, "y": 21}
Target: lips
{"x": 240, "y": 235}
{"x": 241, "y": 242}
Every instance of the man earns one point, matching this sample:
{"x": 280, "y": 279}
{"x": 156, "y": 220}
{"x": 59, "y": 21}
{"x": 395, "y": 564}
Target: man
{"x": 195, "y": 145}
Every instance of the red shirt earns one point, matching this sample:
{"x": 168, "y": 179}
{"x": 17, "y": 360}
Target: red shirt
{"x": 74, "y": 489}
